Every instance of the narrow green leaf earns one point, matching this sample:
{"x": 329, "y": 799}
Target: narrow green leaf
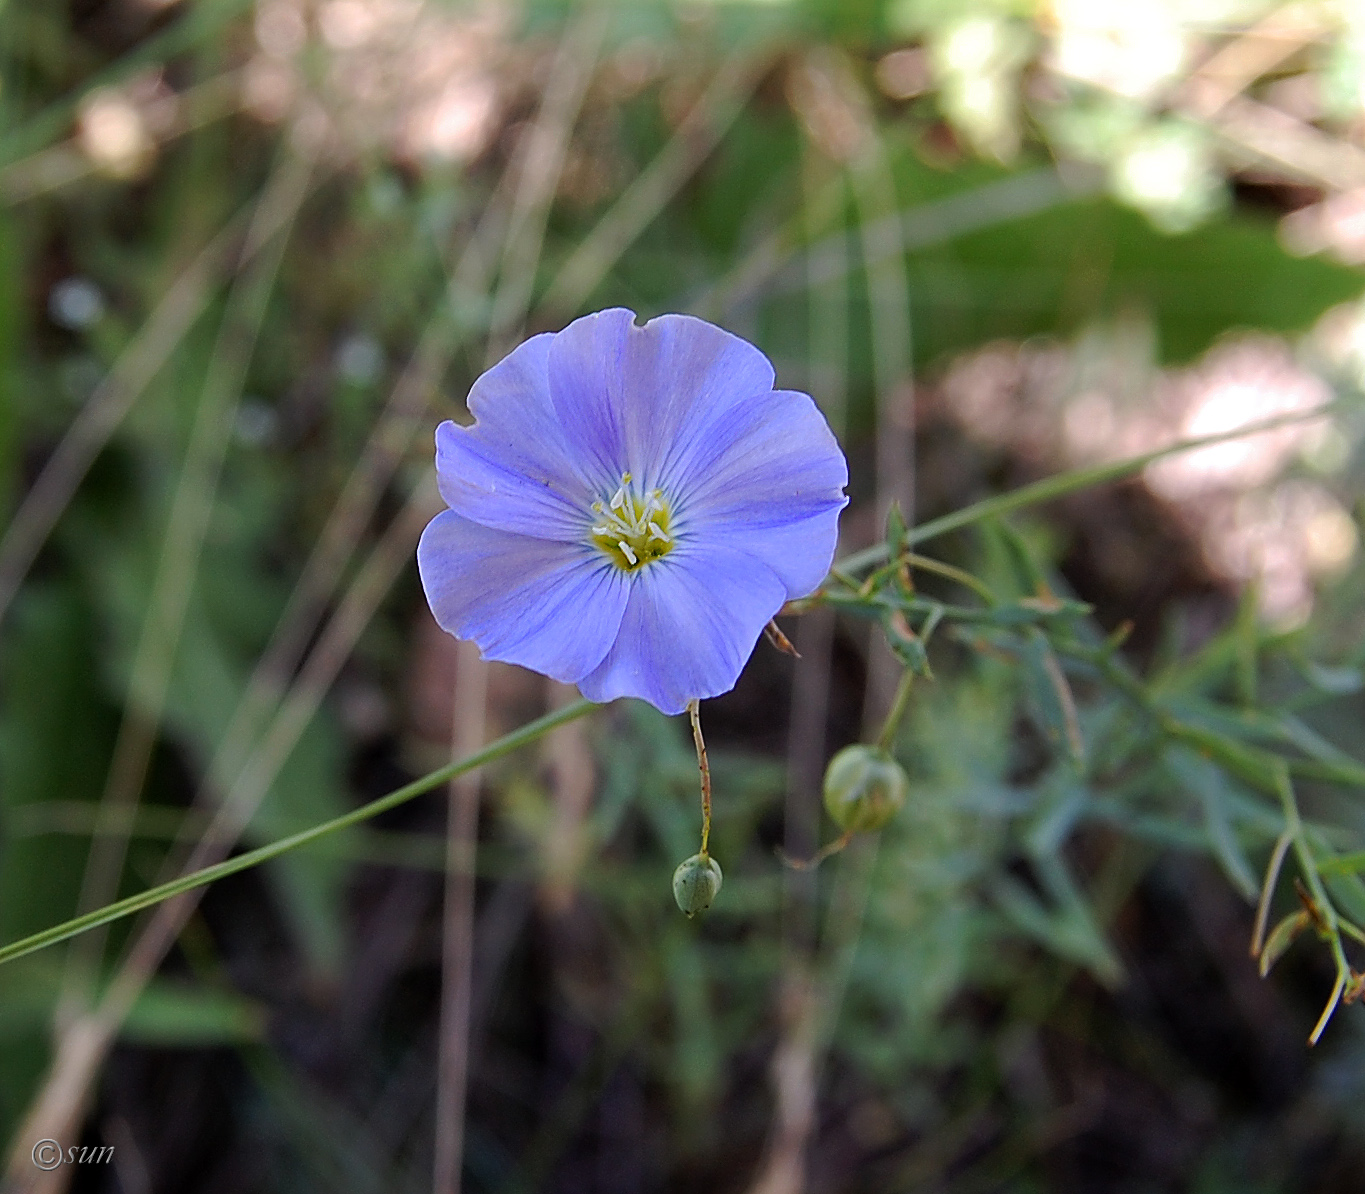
{"x": 1051, "y": 697}
{"x": 1209, "y": 784}
{"x": 174, "y": 1013}
{"x": 897, "y": 534}
{"x": 1028, "y": 575}
{"x": 1343, "y": 864}
{"x": 1349, "y": 892}
{"x": 1282, "y": 937}
{"x": 1071, "y": 935}
{"x": 905, "y": 644}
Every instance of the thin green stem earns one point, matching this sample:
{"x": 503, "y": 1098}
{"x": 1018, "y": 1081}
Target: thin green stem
{"x": 1351, "y": 929}
{"x": 1272, "y": 877}
{"x": 1293, "y": 825}
{"x": 827, "y": 851}
{"x": 887, "y": 735}
{"x": 1069, "y": 482}
{"x": 964, "y": 578}
{"x": 704, "y": 765}
{"x": 155, "y": 895}
{"x": 1330, "y": 927}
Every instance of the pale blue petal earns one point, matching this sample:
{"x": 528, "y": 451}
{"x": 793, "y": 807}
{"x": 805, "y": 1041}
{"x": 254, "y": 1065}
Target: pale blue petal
{"x": 799, "y": 552}
{"x": 512, "y": 470}
{"x": 516, "y": 417}
{"x": 491, "y": 485}
{"x": 771, "y": 486}
{"x": 554, "y": 608}
{"x": 689, "y": 628}
{"x": 643, "y": 399}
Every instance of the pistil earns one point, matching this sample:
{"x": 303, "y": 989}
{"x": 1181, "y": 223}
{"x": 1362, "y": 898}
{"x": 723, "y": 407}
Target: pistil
{"x": 633, "y": 529}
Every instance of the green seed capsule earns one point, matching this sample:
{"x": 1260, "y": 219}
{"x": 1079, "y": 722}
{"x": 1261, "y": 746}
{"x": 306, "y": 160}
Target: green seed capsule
{"x": 696, "y": 883}
{"x": 864, "y": 788}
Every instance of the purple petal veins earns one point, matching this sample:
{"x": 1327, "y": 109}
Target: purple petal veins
{"x": 640, "y": 399}
{"x": 689, "y": 628}
{"x": 630, "y": 507}
{"x": 554, "y": 608}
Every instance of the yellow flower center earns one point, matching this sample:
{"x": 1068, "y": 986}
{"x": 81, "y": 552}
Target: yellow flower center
{"x": 632, "y": 528}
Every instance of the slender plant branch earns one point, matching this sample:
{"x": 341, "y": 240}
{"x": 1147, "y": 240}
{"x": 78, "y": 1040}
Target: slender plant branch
{"x": 887, "y": 735}
{"x": 949, "y": 572}
{"x": 1272, "y": 877}
{"x": 1324, "y": 914}
{"x": 694, "y": 712}
{"x": 155, "y": 895}
{"x": 1069, "y": 482}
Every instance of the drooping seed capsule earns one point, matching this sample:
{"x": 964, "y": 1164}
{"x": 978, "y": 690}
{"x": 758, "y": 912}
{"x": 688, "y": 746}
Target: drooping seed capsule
{"x": 696, "y": 883}
{"x": 864, "y": 788}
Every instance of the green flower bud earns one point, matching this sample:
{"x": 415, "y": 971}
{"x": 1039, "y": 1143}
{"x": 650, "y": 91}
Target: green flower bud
{"x": 696, "y": 883}
{"x": 864, "y": 788}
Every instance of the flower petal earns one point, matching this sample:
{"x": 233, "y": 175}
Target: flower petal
{"x": 511, "y": 470}
{"x": 485, "y": 484}
{"x": 772, "y": 487}
{"x": 689, "y": 628}
{"x": 555, "y": 608}
{"x": 642, "y": 399}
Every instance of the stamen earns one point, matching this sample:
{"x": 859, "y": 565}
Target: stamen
{"x": 633, "y": 529}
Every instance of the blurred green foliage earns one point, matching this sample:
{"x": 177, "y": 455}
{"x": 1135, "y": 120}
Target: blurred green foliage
{"x": 237, "y": 286}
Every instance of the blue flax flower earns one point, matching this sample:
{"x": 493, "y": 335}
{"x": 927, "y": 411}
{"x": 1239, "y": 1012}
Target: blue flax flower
{"x": 630, "y": 507}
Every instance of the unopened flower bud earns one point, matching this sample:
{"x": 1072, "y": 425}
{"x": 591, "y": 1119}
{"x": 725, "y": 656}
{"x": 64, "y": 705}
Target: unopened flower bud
{"x": 696, "y": 883}
{"x": 864, "y": 788}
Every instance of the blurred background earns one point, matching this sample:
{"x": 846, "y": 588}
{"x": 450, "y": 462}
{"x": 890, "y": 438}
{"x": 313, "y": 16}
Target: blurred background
{"x": 252, "y": 252}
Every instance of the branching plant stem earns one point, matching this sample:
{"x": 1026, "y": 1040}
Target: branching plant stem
{"x": 1062, "y": 484}
{"x": 1329, "y": 923}
{"x": 1272, "y": 877}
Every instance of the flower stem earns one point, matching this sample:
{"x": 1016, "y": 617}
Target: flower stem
{"x": 1064, "y": 483}
{"x": 838, "y": 845}
{"x": 962, "y": 577}
{"x": 694, "y": 712}
{"x": 898, "y": 706}
{"x": 155, "y": 895}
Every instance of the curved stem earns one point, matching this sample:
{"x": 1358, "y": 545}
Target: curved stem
{"x": 694, "y": 712}
{"x": 155, "y": 895}
{"x": 809, "y": 864}
{"x": 887, "y": 734}
{"x": 1329, "y": 926}
{"x": 949, "y": 572}
{"x": 1272, "y": 876}
{"x": 1068, "y": 482}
